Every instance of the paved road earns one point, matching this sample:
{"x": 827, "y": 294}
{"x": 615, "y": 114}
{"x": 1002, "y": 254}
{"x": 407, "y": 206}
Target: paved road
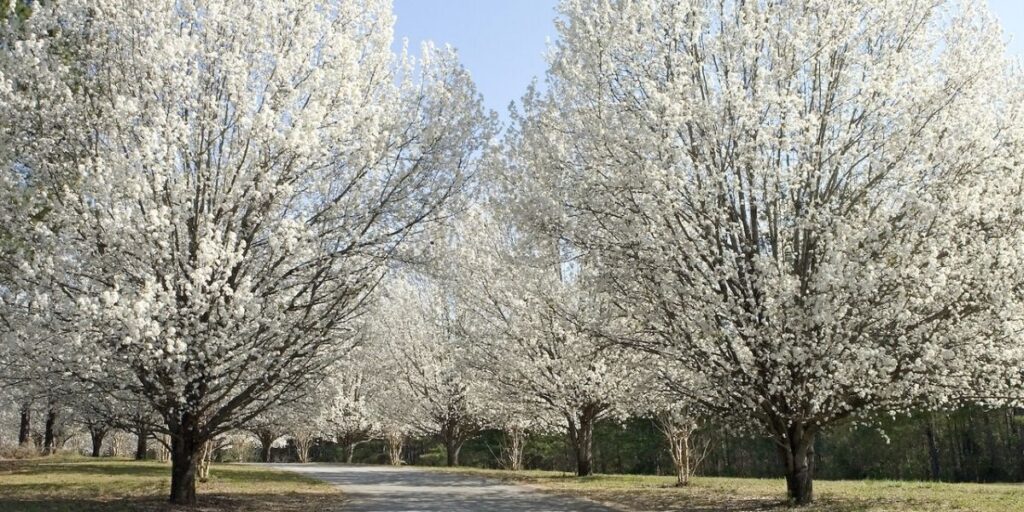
{"x": 408, "y": 489}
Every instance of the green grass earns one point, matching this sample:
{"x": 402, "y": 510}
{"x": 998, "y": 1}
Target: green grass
{"x": 76, "y": 484}
{"x": 73, "y": 484}
{"x": 648, "y": 493}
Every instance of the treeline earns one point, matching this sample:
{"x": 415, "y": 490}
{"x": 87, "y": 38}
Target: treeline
{"x": 968, "y": 445}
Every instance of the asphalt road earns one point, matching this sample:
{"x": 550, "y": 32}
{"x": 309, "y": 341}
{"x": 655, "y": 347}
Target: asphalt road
{"x": 408, "y": 489}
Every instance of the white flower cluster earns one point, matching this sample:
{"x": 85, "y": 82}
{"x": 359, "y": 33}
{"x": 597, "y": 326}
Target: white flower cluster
{"x": 208, "y": 192}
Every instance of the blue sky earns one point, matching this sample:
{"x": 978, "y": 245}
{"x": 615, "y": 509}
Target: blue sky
{"x": 502, "y": 42}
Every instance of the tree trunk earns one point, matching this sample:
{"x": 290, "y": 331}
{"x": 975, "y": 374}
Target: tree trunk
{"x": 163, "y": 448}
{"x": 454, "y": 432}
{"x": 796, "y": 449}
{"x": 25, "y": 425}
{"x": 116, "y": 446}
{"x": 186, "y": 448}
{"x": 933, "y": 449}
{"x": 205, "y": 457}
{"x": 349, "y": 441}
{"x": 266, "y": 439}
{"x": 97, "y": 434}
{"x": 49, "y": 446}
{"x": 395, "y": 442}
{"x": 302, "y": 446}
{"x": 581, "y": 435}
{"x": 452, "y": 447}
{"x": 682, "y": 461}
{"x": 512, "y": 449}
{"x": 678, "y": 432}
{"x": 141, "y": 441}
{"x": 351, "y": 452}
{"x": 584, "y": 449}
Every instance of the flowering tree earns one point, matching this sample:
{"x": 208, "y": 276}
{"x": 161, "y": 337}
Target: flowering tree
{"x": 346, "y": 416}
{"x": 221, "y": 205}
{"x": 419, "y": 335}
{"x": 267, "y": 427}
{"x": 538, "y": 329}
{"x": 45, "y": 400}
{"x": 665, "y": 396}
{"x": 392, "y": 410}
{"x": 515, "y": 415}
{"x": 804, "y": 203}
{"x": 307, "y": 418}
{"x": 26, "y": 368}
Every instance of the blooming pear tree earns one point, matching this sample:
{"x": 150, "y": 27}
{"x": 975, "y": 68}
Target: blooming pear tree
{"x": 806, "y": 204}
{"x": 664, "y": 397}
{"x": 538, "y": 330}
{"x": 418, "y": 329}
{"x": 225, "y": 182}
{"x": 347, "y": 417}
{"x": 515, "y": 416}
{"x": 307, "y": 419}
{"x": 371, "y": 399}
{"x": 392, "y": 411}
{"x": 267, "y": 428}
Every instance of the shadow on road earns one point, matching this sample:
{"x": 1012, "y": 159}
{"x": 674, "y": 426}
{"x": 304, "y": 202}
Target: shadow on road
{"x": 406, "y": 489}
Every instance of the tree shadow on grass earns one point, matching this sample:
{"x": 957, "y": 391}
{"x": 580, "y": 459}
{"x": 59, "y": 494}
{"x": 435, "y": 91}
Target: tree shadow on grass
{"x": 111, "y": 485}
{"x": 241, "y": 473}
{"x": 293, "y": 502}
{"x": 642, "y": 496}
{"x": 671, "y": 499}
{"x": 136, "y": 469}
{"x": 99, "y": 467}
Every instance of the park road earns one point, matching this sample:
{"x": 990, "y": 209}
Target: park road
{"x": 408, "y": 489}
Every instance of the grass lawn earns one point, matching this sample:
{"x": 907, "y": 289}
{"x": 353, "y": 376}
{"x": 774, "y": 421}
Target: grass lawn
{"x": 79, "y": 484}
{"x": 649, "y": 493}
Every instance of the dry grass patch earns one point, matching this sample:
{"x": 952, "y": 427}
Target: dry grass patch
{"x": 74, "y": 484}
{"x": 658, "y": 493}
